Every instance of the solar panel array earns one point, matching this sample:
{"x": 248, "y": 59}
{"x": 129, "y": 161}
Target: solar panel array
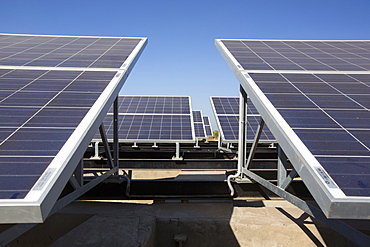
{"x": 50, "y": 97}
{"x": 198, "y": 124}
{"x": 226, "y": 110}
{"x": 207, "y": 126}
{"x": 152, "y": 119}
{"x": 321, "y": 89}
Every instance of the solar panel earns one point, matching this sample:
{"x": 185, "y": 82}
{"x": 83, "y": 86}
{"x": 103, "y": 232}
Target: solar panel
{"x": 226, "y": 110}
{"x": 151, "y": 119}
{"x": 198, "y": 124}
{"x": 314, "y": 95}
{"x": 207, "y": 126}
{"x": 49, "y": 111}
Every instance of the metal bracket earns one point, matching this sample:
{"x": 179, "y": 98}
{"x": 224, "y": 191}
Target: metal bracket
{"x": 177, "y": 155}
{"x": 283, "y": 178}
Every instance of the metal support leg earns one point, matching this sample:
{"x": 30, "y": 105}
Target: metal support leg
{"x": 196, "y": 143}
{"x": 177, "y": 155}
{"x": 96, "y": 150}
{"x": 115, "y": 135}
{"x": 242, "y": 145}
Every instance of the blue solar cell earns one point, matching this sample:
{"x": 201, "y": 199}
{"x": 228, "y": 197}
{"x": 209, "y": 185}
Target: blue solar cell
{"x": 308, "y": 118}
{"x": 54, "y": 117}
{"x": 35, "y": 142}
{"x": 331, "y": 142}
{"x": 15, "y": 116}
{"x": 197, "y": 116}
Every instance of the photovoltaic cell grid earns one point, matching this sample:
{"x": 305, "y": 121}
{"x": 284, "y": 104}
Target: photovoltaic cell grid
{"x": 331, "y": 115}
{"x": 151, "y": 119}
{"x": 207, "y": 126}
{"x": 154, "y": 104}
{"x": 301, "y": 55}
{"x": 57, "y": 51}
{"x": 39, "y": 110}
{"x": 321, "y": 89}
{"x": 198, "y": 124}
{"x": 226, "y": 110}
{"x": 42, "y": 107}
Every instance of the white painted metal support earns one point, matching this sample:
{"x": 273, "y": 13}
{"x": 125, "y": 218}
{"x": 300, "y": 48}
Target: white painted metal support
{"x": 242, "y": 145}
{"x": 135, "y": 145}
{"x": 219, "y": 140}
{"x": 155, "y": 145}
{"x": 96, "y": 152}
{"x": 177, "y": 155}
{"x": 196, "y": 143}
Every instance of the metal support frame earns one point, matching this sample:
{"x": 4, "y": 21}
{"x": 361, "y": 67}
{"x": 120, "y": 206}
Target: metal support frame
{"x": 115, "y": 135}
{"x": 284, "y": 180}
{"x": 177, "y": 155}
{"x": 196, "y": 143}
{"x": 96, "y": 152}
{"x": 337, "y": 225}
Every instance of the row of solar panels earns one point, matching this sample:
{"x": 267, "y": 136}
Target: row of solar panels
{"x": 157, "y": 119}
{"x": 170, "y": 119}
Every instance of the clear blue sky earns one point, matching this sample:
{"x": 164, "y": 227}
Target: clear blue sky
{"x": 181, "y": 58}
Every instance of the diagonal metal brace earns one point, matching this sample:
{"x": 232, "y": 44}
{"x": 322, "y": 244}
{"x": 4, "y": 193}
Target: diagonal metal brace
{"x": 255, "y": 143}
{"x": 106, "y": 145}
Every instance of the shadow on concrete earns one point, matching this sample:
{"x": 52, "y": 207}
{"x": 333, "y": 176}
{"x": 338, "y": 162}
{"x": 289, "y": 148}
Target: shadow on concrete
{"x": 301, "y": 223}
{"x": 329, "y": 236}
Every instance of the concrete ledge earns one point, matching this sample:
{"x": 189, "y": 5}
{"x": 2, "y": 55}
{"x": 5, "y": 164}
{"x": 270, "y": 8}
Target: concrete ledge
{"x": 142, "y": 223}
